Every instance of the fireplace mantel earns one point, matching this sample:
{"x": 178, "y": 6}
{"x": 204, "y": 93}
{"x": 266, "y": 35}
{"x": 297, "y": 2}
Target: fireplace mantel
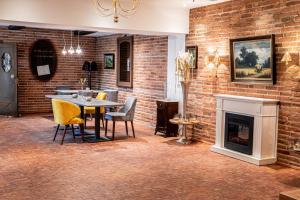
{"x": 246, "y": 99}
{"x": 265, "y": 113}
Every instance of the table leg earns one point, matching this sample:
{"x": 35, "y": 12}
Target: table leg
{"x": 97, "y": 123}
{"x": 95, "y": 134}
{"x": 183, "y": 138}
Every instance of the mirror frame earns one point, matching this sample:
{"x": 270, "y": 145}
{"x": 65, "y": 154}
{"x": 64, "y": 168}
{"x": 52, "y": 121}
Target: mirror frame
{"x": 43, "y": 52}
{"x": 119, "y": 82}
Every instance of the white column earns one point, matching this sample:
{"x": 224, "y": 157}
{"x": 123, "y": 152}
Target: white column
{"x": 176, "y": 44}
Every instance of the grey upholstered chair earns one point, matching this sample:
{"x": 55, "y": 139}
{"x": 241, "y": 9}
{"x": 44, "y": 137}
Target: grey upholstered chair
{"x": 112, "y": 95}
{"x": 62, "y": 87}
{"x": 126, "y": 113}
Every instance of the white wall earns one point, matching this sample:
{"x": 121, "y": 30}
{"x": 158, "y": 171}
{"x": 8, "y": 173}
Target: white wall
{"x": 153, "y": 16}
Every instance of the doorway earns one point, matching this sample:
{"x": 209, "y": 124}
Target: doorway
{"x": 8, "y": 79}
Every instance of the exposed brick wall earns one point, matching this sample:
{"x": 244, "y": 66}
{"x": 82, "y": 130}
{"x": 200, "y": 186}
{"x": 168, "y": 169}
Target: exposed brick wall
{"x": 31, "y": 92}
{"x": 149, "y": 72}
{"x": 211, "y": 27}
{"x": 150, "y": 69}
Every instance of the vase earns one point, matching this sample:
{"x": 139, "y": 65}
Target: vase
{"x": 183, "y": 139}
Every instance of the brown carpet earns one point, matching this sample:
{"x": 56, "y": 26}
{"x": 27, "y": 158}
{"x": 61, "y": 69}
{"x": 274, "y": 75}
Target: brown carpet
{"x": 149, "y": 167}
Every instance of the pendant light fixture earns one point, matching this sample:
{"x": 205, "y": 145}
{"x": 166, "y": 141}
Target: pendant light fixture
{"x": 71, "y": 51}
{"x": 64, "y": 51}
{"x": 78, "y": 49}
{"x": 117, "y": 9}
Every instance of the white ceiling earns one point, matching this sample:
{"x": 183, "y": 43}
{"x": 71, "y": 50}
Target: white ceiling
{"x": 145, "y": 21}
{"x": 200, "y": 3}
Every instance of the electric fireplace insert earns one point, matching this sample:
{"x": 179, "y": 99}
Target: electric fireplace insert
{"x": 239, "y": 133}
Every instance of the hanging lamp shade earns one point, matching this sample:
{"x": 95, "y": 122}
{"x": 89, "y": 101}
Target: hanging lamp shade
{"x": 286, "y": 58}
{"x": 86, "y": 66}
{"x": 93, "y": 66}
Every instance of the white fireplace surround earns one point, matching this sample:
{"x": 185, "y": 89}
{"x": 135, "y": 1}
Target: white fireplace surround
{"x": 265, "y": 113}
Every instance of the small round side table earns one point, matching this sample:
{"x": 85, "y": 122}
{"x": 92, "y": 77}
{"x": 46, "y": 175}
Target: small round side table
{"x": 184, "y": 123}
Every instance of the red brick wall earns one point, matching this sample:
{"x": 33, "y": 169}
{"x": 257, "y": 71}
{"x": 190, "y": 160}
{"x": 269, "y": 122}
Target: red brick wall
{"x": 31, "y": 93}
{"x": 212, "y": 26}
{"x": 150, "y": 69}
{"x": 149, "y": 72}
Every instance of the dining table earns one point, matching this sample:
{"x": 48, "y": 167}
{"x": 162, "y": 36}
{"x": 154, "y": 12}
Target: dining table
{"x": 83, "y": 102}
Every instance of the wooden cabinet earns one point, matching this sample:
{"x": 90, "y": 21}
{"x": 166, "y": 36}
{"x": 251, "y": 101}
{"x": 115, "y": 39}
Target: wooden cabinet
{"x": 166, "y": 111}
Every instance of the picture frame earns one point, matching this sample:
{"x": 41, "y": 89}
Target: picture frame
{"x": 193, "y": 50}
{"x": 253, "y": 60}
{"x": 109, "y": 61}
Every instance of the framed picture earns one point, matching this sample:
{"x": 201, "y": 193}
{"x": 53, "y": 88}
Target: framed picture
{"x": 253, "y": 60}
{"x": 109, "y": 61}
{"x": 194, "y": 51}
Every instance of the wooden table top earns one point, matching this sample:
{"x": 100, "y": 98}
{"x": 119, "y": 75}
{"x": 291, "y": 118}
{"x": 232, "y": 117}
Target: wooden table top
{"x": 184, "y": 122}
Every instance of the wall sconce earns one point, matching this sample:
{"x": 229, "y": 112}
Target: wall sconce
{"x": 212, "y": 60}
{"x": 286, "y": 58}
{"x": 292, "y": 70}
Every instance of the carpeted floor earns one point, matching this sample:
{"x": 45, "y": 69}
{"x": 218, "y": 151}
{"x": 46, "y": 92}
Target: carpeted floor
{"x": 149, "y": 167}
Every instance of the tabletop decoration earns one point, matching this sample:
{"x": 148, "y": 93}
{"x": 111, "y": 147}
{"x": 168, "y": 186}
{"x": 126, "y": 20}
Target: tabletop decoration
{"x": 82, "y": 82}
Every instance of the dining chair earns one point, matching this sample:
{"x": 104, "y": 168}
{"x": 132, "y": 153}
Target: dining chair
{"x": 65, "y": 114}
{"x": 62, "y": 87}
{"x": 91, "y": 110}
{"x": 112, "y": 95}
{"x": 126, "y": 113}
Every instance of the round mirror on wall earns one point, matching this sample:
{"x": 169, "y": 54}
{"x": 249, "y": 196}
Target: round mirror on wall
{"x": 43, "y": 59}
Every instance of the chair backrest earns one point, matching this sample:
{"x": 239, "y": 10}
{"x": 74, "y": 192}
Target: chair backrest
{"x": 112, "y": 95}
{"x": 101, "y": 96}
{"x": 85, "y": 93}
{"x": 62, "y": 87}
{"x": 129, "y": 107}
{"x": 64, "y": 111}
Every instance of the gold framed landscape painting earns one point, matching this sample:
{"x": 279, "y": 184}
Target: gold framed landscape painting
{"x": 253, "y": 60}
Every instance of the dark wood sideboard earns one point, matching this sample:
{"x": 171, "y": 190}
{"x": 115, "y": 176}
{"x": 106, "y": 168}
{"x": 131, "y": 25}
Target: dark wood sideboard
{"x": 166, "y": 110}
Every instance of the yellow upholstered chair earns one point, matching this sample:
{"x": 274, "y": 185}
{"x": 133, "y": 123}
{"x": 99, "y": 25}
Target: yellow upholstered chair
{"x": 91, "y": 110}
{"x": 65, "y": 114}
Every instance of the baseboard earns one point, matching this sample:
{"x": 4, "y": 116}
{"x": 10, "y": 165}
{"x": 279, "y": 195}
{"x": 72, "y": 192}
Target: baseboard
{"x": 243, "y": 157}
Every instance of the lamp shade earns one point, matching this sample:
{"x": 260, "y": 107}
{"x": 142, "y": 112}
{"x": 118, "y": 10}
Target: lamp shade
{"x": 86, "y": 66}
{"x": 286, "y": 58}
{"x": 93, "y": 66}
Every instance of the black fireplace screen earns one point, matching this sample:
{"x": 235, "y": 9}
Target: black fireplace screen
{"x": 239, "y": 133}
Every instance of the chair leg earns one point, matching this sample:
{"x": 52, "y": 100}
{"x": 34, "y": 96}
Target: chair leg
{"x": 62, "y": 141}
{"x": 113, "y": 133}
{"x": 126, "y": 126}
{"x": 81, "y": 128}
{"x": 132, "y": 129}
{"x": 56, "y": 132}
{"x": 102, "y": 119}
{"x": 73, "y": 131}
{"x": 85, "y": 120}
{"x": 106, "y": 121}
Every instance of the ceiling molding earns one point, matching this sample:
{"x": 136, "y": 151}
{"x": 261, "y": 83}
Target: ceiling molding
{"x": 201, "y": 3}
